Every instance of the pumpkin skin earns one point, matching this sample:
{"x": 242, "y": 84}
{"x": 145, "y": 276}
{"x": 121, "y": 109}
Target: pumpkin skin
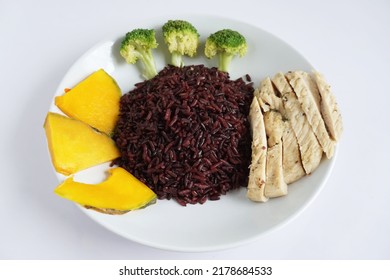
{"x": 74, "y": 145}
{"x": 95, "y": 101}
{"x": 120, "y": 192}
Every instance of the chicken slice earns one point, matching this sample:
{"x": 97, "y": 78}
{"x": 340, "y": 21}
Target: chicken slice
{"x": 257, "y": 171}
{"x": 267, "y": 97}
{"x": 275, "y": 185}
{"x": 329, "y": 108}
{"x": 292, "y": 165}
{"x": 311, "y": 84}
{"x": 313, "y": 114}
{"x": 274, "y": 127}
{"x": 310, "y": 149}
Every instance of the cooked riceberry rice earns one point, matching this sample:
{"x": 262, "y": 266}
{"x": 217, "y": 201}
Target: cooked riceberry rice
{"x": 185, "y": 133}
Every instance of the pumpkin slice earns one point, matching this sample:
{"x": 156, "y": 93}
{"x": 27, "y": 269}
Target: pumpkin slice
{"x": 95, "y": 101}
{"x": 119, "y": 193}
{"x": 75, "y": 146}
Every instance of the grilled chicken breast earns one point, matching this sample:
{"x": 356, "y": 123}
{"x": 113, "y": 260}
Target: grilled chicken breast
{"x": 311, "y": 110}
{"x": 274, "y": 127}
{"x": 292, "y": 164}
{"x": 267, "y": 97}
{"x": 310, "y": 149}
{"x": 312, "y": 86}
{"x": 257, "y": 171}
{"x": 329, "y": 108}
{"x": 271, "y": 100}
{"x": 294, "y": 120}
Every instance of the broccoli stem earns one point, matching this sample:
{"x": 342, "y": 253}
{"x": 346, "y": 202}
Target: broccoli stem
{"x": 224, "y": 61}
{"x": 149, "y": 65}
{"x": 177, "y": 59}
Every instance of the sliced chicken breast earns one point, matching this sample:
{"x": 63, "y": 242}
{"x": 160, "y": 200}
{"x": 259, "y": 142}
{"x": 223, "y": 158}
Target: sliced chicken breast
{"x": 267, "y": 97}
{"x": 313, "y": 114}
{"x": 329, "y": 108}
{"x": 311, "y": 84}
{"x": 309, "y": 147}
{"x": 292, "y": 165}
{"x": 257, "y": 171}
{"x": 275, "y": 185}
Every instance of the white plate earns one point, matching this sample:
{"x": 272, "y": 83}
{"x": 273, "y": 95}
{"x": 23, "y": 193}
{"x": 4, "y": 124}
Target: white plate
{"x": 233, "y": 220}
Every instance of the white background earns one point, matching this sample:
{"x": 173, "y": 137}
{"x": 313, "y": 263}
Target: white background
{"x": 349, "y": 41}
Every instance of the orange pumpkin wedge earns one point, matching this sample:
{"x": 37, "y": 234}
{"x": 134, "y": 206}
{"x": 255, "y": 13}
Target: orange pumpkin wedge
{"x": 121, "y": 192}
{"x": 95, "y": 101}
{"x": 75, "y": 146}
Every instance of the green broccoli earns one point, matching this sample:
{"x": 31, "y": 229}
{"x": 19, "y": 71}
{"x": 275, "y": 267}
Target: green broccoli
{"x": 182, "y": 38}
{"x": 227, "y": 43}
{"x": 138, "y": 44}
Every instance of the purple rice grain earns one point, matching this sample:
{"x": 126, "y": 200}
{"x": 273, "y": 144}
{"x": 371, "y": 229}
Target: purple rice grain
{"x": 185, "y": 133}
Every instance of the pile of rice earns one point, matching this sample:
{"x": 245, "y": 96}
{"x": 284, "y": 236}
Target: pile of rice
{"x": 185, "y": 133}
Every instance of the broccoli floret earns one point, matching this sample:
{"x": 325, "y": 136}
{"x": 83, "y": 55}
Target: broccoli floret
{"x": 182, "y": 38}
{"x": 227, "y": 44}
{"x": 138, "y": 44}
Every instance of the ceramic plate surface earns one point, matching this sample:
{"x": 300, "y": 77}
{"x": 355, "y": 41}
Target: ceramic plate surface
{"x": 233, "y": 220}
